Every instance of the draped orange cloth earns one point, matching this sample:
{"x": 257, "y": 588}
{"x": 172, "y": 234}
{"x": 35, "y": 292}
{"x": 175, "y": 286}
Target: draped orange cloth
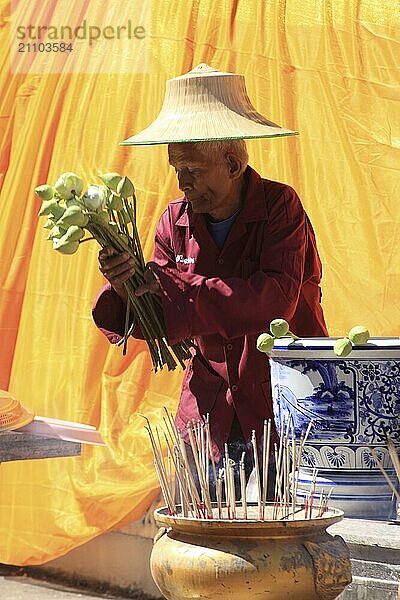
{"x": 326, "y": 69}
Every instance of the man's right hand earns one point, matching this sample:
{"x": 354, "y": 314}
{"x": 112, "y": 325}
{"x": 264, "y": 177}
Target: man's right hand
{"x": 117, "y": 269}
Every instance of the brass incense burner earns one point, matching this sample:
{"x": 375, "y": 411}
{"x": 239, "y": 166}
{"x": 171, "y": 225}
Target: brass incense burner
{"x": 291, "y": 558}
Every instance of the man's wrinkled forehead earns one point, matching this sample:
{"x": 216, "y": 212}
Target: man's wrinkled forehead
{"x": 187, "y": 155}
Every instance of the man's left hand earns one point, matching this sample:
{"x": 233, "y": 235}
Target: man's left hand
{"x": 151, "y": 284}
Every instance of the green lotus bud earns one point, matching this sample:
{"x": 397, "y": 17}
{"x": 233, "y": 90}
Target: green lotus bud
{"x": 57, "y": 212}
{"x": 68, "y": 185}
{"x": 65, "y": 247}
{"x": 74, "y": 202}
{"x": 114, "y": 202}
{"x": 46, "y": 208}
{"x": 111, "y": 180}
{"x": 49, "y": 224}
{"x": 125, "y": 188}
{"x": 73, "y": 234}
{"x": 342, "y": 347}
{"x": 95, "y": 197}
{"x": 74, "y": 216}
{"x": 45, "y": 192}
{"x": 279, "y": 327}
{"x": 358, "y": 335}
{"x": 265, "y": 342}
{"x": 55, "y": 232}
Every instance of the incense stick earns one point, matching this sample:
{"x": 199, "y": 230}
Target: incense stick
{"x": 266, "y": 451}
{"x": 176, "y": 473}
{"x": 386, "y": 476}
{"x": 393, "y": 453}
{"x": 257, "y": 469}
{"x": 243, "y": 486}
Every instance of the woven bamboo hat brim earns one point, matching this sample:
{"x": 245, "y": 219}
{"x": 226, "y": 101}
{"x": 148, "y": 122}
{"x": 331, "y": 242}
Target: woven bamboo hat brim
{"x": 205, "y": 105}
{"x": 12, "y": 414}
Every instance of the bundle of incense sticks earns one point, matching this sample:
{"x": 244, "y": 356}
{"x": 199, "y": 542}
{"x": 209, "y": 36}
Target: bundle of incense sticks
{"x": 185, "y": 484}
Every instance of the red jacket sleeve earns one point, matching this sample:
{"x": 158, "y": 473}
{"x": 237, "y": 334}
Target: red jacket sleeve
{"x": 108, "y": 313}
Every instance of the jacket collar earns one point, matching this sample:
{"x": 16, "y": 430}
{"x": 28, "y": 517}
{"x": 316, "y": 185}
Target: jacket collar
{"x": 254, "y": 206}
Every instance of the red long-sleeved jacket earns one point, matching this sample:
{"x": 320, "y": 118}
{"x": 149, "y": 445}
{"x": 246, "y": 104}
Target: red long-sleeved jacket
{"x": 268, "y": 267}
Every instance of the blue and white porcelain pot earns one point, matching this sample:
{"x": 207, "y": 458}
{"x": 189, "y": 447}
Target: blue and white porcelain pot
{"x": 350, "y": 400}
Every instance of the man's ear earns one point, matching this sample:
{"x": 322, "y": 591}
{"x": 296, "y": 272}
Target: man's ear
{"x": 234, "y": 166}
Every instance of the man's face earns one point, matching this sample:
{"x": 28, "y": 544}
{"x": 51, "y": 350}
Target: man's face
{"x": 204, "y": 180}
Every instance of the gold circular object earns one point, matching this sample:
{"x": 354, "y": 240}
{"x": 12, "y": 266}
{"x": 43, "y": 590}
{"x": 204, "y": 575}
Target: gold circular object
{"x": 12, "y": 414}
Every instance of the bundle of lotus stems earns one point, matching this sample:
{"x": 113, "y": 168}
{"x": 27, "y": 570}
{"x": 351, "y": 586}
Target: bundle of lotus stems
{"x": 109, "y": 214}
{"x": 187, "y": 489}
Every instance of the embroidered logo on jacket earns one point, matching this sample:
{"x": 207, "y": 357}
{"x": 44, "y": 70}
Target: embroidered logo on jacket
{"x": 185, "y": 260}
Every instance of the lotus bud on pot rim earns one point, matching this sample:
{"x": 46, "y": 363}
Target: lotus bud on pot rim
{"x": 342, "y": 347}
{"x": 265, "y": 342}
{"x": 279, "y": 327}
{"x": 358, "y": 335}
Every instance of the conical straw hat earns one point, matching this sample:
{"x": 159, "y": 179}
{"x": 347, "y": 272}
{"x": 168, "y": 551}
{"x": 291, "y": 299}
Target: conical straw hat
{"x": 12, "y": 414}
{"x": 206, "y": 105}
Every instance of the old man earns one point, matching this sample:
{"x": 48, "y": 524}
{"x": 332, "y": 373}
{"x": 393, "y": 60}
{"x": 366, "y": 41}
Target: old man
{"x": 233, "y": 253}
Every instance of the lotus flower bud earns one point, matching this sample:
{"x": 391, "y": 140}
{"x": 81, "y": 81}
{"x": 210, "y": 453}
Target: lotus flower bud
{"x": 73, "y": 234}
{"x": 65, "y": 247}
{"x": 279, "y": 327}
{"x": 125, "y": 188}
{"x": 265, "y": 342}
{"x": 114, "y": 202}
{"x": 46, "y": 208}
{"x": 57, "y": 212}
{"x": 55, "y": 232}
{"x": 68, "y": 185}
{"x": 74, "y": 216}
{"x": 45, "y": 192}
{"x": 111, "y": 180}
{"x": 342, "y": 347}
{"x": 49, "y": 224}
{"x": 358, "y": 335}
{"x": 95, "y": 197}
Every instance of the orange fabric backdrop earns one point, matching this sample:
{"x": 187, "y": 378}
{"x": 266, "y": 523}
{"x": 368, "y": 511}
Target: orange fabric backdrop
{"x": 327, "y": 69}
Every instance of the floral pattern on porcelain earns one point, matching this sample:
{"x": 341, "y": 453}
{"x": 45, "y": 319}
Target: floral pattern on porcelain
{"x": 349, "y": 401}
